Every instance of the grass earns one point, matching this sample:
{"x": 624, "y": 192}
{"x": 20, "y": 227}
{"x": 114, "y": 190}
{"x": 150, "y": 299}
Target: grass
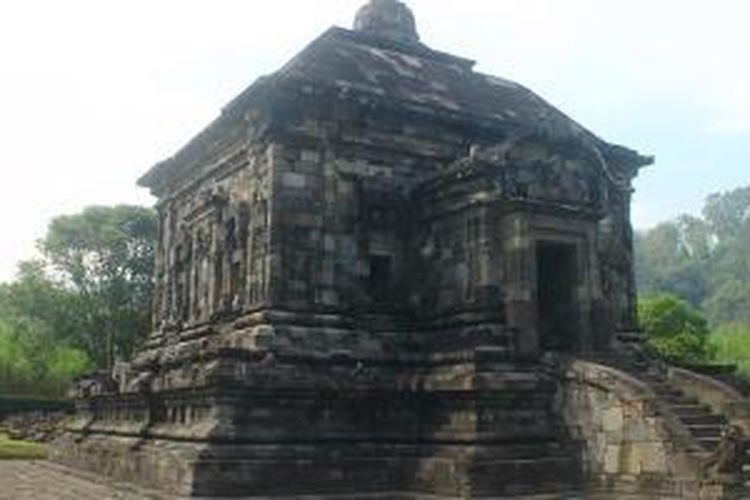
{"x": 20, "y": 450}
{"x": 731, "y": 344}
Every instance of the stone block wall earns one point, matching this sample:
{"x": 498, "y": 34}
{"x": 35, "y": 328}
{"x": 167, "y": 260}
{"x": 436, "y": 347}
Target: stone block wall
{"x": 631, "y": 446}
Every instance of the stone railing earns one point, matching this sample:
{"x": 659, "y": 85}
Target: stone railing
{"x": 720, "y": 397}
{"x": 633, "y": 444}
{"x": 15, "y": 405}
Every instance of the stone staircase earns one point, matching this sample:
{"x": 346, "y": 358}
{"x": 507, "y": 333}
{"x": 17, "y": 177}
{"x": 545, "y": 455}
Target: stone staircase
{"x": 705, "y": 425}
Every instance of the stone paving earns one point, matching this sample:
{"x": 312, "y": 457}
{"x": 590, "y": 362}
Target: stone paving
{"x": 24, "y": 480}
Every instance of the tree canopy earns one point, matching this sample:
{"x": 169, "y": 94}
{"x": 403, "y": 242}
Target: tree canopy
{"x": 704, "y": 260}
{"x": 105, "y": 257}
{"x": 675, "y": 329}
{"x": 84, "y": 303}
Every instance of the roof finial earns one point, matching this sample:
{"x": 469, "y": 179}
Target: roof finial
{"x": 388, "y": 19}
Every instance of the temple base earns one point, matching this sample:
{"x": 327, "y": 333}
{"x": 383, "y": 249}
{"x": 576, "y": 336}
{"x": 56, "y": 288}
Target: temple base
{"x": 475, "y": 426}
{"x": 328, "y": 470}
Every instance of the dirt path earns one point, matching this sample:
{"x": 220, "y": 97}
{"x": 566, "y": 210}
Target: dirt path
{"x": 30, "y": 480}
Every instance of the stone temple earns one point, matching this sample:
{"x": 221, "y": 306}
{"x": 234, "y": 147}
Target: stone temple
{"x": 383, "y": 274}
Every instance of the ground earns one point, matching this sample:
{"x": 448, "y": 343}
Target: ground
{"x": 39, "y": 480}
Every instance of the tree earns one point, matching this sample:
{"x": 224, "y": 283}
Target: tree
{"x": 35, "y": 297}
{"x": 703, "y": 260}
{"x": 672, "y": 258}
{"x": 87, "y": 300}
{"x": 33, "y": 362}
{"x": 105, "y": 257}
{"x": 13, "y": 364}
{"x": 726, "y": 212}
{"x": 675, "y": 329}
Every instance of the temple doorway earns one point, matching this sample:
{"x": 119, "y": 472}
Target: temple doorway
{"x": 556, "y": 296}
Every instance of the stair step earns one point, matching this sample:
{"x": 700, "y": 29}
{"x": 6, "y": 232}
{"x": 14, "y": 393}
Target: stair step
{"x": 690, "y": 410}
{"x": 705, "y": 431}
{"x": 680, "y": 400}
{"x": 704, "y": 419}
{"x": 667, "y": 392}
{"x": 704, "y": 425}
{"x": 660, "y": 384}
{"x": 662, "y": 387}
{"x": 709, "y": 443}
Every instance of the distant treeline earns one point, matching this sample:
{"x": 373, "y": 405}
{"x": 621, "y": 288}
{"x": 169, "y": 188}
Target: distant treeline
{"x": 704, "y": 261}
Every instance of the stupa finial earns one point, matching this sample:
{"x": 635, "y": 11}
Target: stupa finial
{"x": 387, "y": 19}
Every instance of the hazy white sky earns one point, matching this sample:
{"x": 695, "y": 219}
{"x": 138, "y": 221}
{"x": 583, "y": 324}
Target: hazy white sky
{"x": 93, "y": 92}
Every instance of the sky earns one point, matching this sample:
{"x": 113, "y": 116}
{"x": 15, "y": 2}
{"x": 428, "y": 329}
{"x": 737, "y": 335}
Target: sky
{"x": 93, "y": 93}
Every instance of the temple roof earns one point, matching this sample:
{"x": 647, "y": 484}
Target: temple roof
{"x": 413, "y": 74}
{"x": 383, "y": 58}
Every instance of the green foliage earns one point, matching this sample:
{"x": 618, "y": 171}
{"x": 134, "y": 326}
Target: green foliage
{"x": 14, "y": 366}
{"x": 11, "y": 449}
{"x": 105, "y": 256}
{"x": 67, "y": 362}
{"x": 672, "y": 258}
{"x": 731, "y": 345}
{"x": 703, "y": 260}
{"x": 726, "y": 212}
{"x": 33, "y": 361}
{"x": 675, "y": 329}
{"x": 86, "y": 302}
{"x": 729, "y": 302}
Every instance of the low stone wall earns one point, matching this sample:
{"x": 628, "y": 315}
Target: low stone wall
{"x": 457, "y": 425}
{"x": 33, "y": 419}
{"x": 631, "y": 444}
{"x": 720, "y": 397}
{"x": 15, "y": 405}
{"x": 40, "y": 427}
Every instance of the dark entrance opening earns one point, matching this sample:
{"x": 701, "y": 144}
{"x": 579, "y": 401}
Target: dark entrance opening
{"x": 380, "y": 278}
{"x": 556, "y": 301}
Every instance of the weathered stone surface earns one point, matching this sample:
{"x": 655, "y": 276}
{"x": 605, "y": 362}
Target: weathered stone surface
{"x": 387, "y": 19}
{"x": 360, "y": 264}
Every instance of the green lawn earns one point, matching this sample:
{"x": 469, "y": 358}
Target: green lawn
{"x": 20, "y": 450}
{"x": 732, "y": 346}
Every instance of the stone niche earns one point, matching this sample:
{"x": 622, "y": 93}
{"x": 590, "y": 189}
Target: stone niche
{"x": 360, "y": 267}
